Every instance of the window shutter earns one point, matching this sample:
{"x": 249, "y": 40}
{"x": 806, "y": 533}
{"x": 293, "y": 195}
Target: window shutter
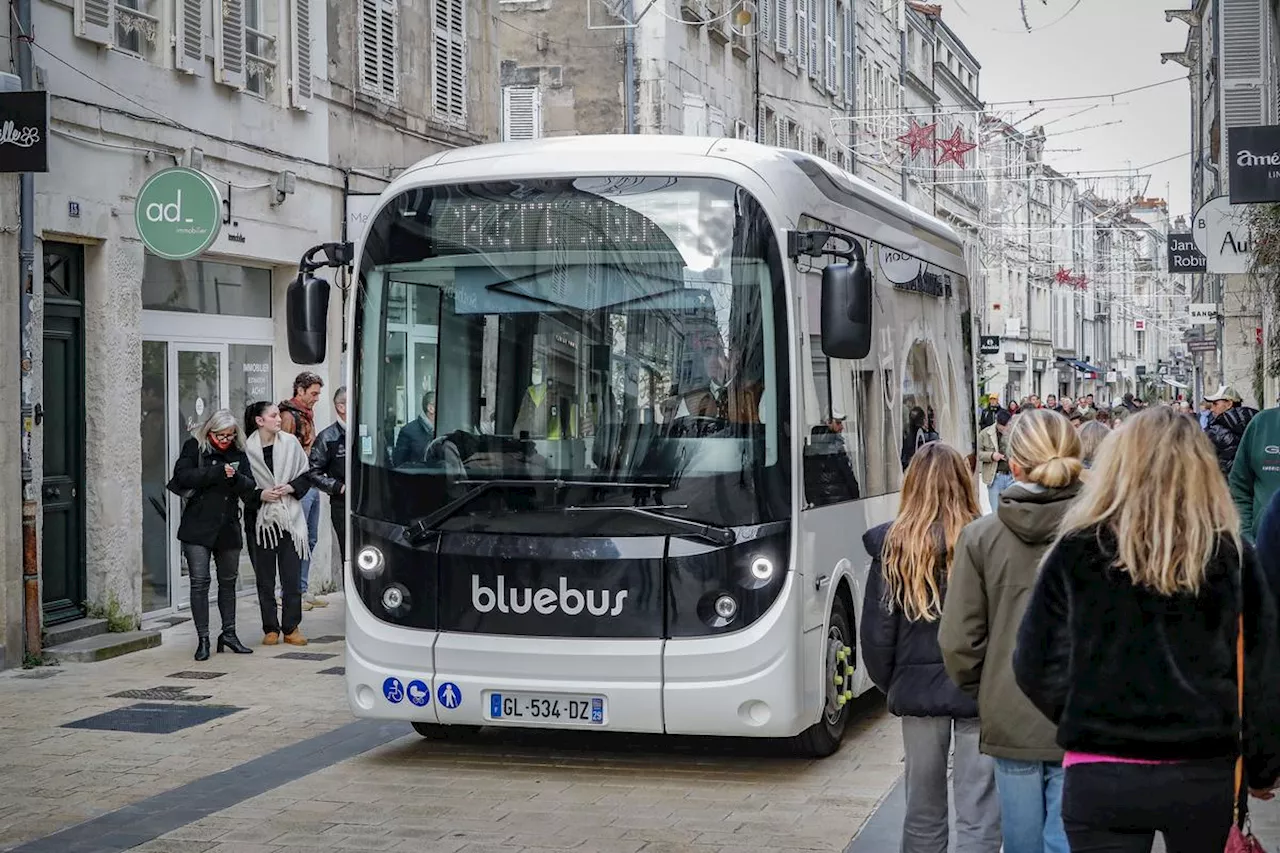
{"x": 380, "y": 49}
{"x": 815, "y": 44}
{"x": 95, "y": 20}
{"x": 849, "y": 79}
{"x": 521, "y": 113}
{"x": 780, "y": 132}
{"x": 765, "y": 31}
{"x": 761, "y": 135}
{"x": 832, "y": 77}
{"x": 694, "y": 121}
{"x": 786, "y": 25}
{"x": 188, "y": 48}
{"x": 715, "y": 122}
{"x": 228, "y": 42}
{"x": 801, "y": 27}
{"x": 1242, "y": 44}
{"x": 449, "y": 88}
{"x": 300, "y": 42}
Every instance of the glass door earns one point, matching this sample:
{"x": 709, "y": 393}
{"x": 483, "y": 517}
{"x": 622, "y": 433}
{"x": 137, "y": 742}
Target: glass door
{"x": 199, "y": 388}
{"x": 158, "y": 453}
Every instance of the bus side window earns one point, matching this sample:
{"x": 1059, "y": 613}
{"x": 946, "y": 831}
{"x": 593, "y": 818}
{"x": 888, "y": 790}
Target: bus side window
{"x": 829, "y": 473}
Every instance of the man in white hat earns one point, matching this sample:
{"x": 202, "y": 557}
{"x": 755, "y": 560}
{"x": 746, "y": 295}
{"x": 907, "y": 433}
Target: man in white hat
{"x": 1227, "y": 422}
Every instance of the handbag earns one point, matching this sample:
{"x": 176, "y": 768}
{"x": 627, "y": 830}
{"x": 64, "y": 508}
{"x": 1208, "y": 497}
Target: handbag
{"x": 1241, "y": 839}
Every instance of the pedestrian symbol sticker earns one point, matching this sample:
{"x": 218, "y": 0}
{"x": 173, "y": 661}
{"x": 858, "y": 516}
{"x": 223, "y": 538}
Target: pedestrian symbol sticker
{"x": 449, "y": 695}
{"x": 419, "y": 693}
{"x": 393, "y": 690}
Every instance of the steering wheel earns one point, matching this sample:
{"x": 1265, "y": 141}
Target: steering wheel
{"x": 696, "y": 426}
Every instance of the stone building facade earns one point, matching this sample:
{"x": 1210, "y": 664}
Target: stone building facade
{"x": 286, "y": 106}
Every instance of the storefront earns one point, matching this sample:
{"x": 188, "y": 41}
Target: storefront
{"x": 207, "y": 344}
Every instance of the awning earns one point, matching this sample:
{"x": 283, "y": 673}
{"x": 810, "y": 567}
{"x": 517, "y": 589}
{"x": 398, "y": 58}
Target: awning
{"x": 1175, "y": 383}
{"x": 1083, "y": 366}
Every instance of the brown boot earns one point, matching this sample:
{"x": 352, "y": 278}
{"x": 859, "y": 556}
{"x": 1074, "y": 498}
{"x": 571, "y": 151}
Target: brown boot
{"x": 296, "y": 638}
{"x": 271, "y": 639}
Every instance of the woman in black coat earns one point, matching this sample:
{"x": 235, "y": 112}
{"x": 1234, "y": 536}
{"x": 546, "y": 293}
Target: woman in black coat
{"x": 901, "y": 609}
{"x": 212, "y": 474}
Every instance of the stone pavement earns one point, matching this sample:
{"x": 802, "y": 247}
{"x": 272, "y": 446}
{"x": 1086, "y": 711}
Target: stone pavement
{"x": 286, "y": 768}
{"x": 292, "y": 771}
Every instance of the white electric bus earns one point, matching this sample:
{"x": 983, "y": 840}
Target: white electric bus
{"x": 621, "y": 410}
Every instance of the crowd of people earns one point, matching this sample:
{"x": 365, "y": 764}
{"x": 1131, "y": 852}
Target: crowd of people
{"x": 1102, "y": 648}
{"x": 274, "y": 463}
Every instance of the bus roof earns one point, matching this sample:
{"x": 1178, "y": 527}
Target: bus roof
{"x": 776, "y": 165}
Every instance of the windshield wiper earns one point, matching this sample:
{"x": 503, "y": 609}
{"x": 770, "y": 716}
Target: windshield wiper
{"x": 420, "y": 530}
{"x": 712, "y": 533}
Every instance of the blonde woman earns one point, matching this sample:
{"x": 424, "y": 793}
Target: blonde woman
{"x": 995, "y": 570}
{"x": 1129, "y": 646}
{"x": 911, "y": 560}
{"x": 275, "y": 523}
{"x": 1092, "y": 435}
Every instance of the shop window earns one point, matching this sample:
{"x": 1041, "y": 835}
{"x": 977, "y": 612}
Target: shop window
{"x": 249, "y": 375}
{"x": 205, "y": 287}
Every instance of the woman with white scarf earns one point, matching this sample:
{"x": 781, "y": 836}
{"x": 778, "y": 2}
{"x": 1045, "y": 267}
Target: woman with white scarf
{"x": 275, "y": 526}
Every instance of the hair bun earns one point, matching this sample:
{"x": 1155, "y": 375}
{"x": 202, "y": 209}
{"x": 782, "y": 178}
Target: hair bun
{"x": 1056, "y": 472}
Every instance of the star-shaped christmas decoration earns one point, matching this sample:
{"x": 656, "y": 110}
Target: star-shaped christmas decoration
{"x": 954, "y": 149}
{"x": 1063, "y": 276}
{"x": 919, "y": 138}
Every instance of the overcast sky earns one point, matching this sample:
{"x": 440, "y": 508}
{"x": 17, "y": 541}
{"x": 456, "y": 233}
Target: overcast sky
{"x": 1102, "y": 46}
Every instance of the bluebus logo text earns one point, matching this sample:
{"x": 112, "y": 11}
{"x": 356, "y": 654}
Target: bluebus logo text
{"x": 545, "y": 601}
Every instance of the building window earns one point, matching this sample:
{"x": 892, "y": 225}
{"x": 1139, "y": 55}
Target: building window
{"x": 205, "y": 287}
{"x": 137, "y": 27}
{"x": 449, "y": 68}
{"x": 259, "y": 46}
{"x": 380, "y": 49}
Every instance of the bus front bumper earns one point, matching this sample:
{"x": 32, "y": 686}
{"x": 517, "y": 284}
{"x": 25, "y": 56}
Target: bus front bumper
{"x": 747, "y": 683}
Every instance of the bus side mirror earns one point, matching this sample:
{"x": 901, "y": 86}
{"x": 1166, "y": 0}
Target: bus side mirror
{"x": 846, "y": 310}
{"x": 307, "y": 313}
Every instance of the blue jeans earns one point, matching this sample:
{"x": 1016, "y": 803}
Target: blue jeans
{"x": 1031, "y": 806}
{"x": 311, "y": 509}
{"x": 998, "y": 485}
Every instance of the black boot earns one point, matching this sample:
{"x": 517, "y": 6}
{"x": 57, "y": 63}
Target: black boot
{"x": 229, "y": 640}
{"x": 202, "y": 649}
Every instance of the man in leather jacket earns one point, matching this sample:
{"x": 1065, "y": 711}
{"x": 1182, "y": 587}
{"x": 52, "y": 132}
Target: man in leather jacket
{"x": 329, "y": 468}
{"x": 1227, "y": 423}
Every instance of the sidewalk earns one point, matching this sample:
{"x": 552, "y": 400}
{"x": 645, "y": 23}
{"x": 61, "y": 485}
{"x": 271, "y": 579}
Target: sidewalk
{"x": 55, "y": 776}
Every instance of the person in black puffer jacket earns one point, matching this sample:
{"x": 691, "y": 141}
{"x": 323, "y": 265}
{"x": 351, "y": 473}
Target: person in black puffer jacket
{"x": 1129, "y": 645}
{"x": 906, "y": 585}
{"x": 1227, "y": 422}
{"x": 212, "y": 473}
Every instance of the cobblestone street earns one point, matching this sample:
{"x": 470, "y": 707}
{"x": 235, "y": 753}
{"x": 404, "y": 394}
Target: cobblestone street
{"x": 287, "y": 768}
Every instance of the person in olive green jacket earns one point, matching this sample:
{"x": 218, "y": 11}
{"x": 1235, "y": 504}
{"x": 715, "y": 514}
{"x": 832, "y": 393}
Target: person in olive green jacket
{"x": 996, "y": 562}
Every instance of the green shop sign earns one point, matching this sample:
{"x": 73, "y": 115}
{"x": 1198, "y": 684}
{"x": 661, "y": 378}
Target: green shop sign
{"x": 178, "y": 213}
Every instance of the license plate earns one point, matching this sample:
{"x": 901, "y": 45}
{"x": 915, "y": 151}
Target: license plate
{"x": 550, "y": 709}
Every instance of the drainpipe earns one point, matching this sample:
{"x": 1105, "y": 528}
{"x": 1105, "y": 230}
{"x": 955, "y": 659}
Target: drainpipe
{"x": 26, "y": 272}
{"x": 629, "y": 70}
{"x": 902, "y": 83}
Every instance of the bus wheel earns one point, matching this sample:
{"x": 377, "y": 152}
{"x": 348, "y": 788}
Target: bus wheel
{"x": 435, "y": 731}
{"x": 823, "y": 737}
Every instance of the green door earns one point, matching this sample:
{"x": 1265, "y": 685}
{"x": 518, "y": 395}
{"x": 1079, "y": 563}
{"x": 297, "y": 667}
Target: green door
{"x": 62, "y": 548}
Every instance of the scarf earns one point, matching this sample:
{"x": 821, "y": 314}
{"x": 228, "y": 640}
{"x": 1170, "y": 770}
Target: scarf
{"x": 285, "y": 516}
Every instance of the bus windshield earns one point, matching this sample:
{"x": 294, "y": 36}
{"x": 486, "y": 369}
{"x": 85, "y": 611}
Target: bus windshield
{"x": 622, "y": 338}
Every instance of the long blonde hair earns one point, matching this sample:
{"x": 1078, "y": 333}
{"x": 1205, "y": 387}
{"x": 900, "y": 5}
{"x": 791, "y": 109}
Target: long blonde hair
{"x": 1157, "y": 487}
{"x": 937, "y": 500}
{"x": 1046, "y": 447}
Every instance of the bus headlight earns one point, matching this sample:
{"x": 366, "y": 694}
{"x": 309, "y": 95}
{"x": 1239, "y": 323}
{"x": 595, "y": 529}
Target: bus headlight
{"x": 369, "y": 562}
{"x": 396, "y": 600}
{"x": 762, "y": 568}
{"x": 726, "y": 607}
